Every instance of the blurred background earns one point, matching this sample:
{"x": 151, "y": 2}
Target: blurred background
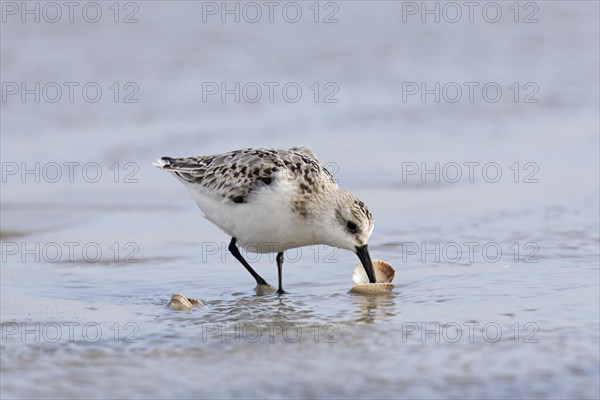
{"x": 455, "y": 123}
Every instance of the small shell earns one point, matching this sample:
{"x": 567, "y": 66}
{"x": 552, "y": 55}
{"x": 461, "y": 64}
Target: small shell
{"x": 384, "y": 275}
{"x": 181, "y": 303}
{"x": 372, "y": 288}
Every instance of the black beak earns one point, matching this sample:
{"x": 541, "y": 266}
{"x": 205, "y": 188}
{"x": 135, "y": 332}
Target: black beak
{"x": 365, "y": 259}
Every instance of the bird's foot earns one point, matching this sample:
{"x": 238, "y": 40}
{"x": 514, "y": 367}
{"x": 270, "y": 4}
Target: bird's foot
{"x": 264, "y": 288}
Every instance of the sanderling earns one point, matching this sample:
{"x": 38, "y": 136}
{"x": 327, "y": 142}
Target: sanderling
{"x": 270, "y": 201}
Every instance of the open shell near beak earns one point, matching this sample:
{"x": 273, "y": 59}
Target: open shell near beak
{"x": 384, "y": 275}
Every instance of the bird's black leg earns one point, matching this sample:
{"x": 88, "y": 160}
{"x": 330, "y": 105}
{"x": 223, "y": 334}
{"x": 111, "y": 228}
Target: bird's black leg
{"x": 236, "y": 253}
{"x": 279, "y": 270}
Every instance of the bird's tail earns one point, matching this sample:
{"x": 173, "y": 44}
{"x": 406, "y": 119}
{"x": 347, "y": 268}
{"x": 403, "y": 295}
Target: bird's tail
{"x": 179, "y": 167}
{"x": 163, "y": 162}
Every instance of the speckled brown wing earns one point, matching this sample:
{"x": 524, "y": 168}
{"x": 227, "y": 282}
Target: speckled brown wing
{"x": 235, "y": 175}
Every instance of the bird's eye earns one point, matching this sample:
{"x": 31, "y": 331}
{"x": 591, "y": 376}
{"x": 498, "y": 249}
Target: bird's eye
{"x": 351, "y": 226}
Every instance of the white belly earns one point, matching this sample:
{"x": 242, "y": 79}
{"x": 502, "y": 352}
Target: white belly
{"x": 265, "y": 224}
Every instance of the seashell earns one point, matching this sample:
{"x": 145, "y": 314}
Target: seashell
{"x": 384, "y": 275}
{"x": 181, "y": 303}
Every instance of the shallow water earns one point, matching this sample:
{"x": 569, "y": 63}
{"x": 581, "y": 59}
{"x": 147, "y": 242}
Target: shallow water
{"x": 497, "y": 284}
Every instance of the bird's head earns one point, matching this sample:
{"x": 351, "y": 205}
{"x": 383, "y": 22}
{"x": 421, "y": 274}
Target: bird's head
{"x": 349, "y": 227}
